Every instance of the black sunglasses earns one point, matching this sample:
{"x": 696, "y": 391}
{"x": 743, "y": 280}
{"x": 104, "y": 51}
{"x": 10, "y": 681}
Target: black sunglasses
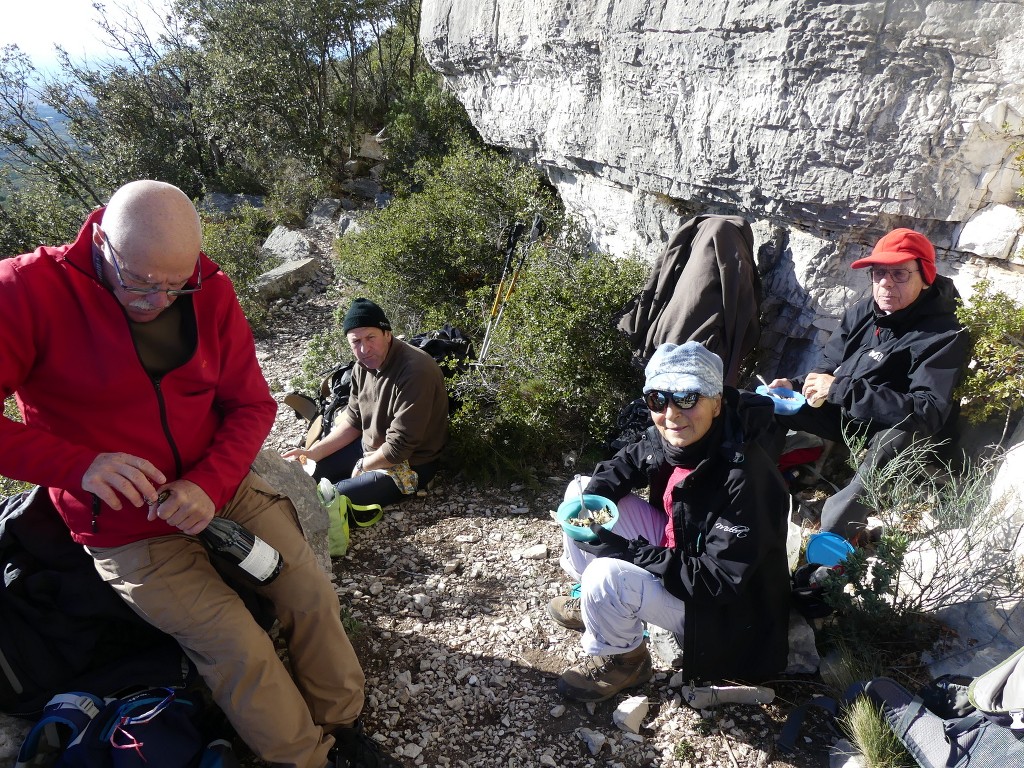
{"x": 657, "y": 400}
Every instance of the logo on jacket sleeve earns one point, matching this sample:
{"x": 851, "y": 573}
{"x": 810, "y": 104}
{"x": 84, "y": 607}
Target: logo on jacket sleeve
{"x": 876, "y": 355}
{"x": 741, "y": 531}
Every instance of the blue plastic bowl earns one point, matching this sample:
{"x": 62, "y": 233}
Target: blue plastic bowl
{"x": 827, "y": 548}
{"x": 571, "y": 508}
{"x": 786, "y": 401}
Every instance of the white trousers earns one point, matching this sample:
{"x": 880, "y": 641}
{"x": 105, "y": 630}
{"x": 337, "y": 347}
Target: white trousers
{"x": 617, "y": 598}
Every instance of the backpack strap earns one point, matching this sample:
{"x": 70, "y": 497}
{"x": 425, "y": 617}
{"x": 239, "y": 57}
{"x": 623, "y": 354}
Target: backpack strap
{"x": 787, "y": 738}
{"x": 64, "y": 718}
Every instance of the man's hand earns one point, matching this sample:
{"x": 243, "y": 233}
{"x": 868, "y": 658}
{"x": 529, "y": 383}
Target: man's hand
{"x": 786, "y": 383}
{"x": 132, "y": 477}
{"x": 185, "y": 506}
{"x": 816, "y": 387}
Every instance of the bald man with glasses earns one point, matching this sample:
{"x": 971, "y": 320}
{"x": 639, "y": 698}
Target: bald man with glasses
{"x": 143, "y": 407}
{"x": 888, "y": 372}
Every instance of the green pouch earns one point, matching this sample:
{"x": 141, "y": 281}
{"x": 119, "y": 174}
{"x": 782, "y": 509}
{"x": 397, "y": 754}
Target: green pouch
{"x": 341, "y": 511}
{"x": 337, "y": 511}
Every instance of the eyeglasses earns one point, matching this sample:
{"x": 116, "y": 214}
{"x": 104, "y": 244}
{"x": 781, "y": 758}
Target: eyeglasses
{"x": 150, "y": 291}
{"x": 896, "y": 275}
{"x": 657, "y": 401}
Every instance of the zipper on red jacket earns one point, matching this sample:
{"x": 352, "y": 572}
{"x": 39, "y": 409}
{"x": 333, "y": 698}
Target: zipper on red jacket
{"x": 167, "y": 427}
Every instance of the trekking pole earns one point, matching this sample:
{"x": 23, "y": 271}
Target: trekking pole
{"x": 535, "y": 233}
{"x": 513, "y": 240}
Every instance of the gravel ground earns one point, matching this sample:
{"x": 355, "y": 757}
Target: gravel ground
{"x": 446, "y": 597}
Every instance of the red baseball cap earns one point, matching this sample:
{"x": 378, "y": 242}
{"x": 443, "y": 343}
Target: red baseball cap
{"x": 902, "y": 245}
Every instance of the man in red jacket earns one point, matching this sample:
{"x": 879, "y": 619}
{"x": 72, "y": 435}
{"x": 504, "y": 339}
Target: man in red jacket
{"x": 136, "y": 376}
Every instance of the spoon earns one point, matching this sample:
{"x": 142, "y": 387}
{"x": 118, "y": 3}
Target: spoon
{"x": 584, "y": 511}
{"x": 761, "y": 379}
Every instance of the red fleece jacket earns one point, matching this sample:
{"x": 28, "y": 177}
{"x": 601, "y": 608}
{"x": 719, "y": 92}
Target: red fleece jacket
{"x": 67, "y": 353}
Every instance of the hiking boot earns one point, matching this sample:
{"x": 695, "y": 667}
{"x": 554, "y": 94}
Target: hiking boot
{"x": 354, "y": 749}
{"x": 665, "y": 647}
{"x": 566, "y": 611}
{"x": 601, "y": 677}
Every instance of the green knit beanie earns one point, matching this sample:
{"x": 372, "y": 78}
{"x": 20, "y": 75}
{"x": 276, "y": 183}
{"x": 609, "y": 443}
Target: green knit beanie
{"x": 365, "y": 314}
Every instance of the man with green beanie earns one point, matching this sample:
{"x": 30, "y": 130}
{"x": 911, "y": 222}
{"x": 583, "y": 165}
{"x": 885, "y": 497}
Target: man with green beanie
{"x": 387, "y": 443}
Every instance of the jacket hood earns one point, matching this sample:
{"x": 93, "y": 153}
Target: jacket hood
{"x": 749, "y": 417}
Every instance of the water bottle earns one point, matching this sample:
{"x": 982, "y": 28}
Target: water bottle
{"x": 240, "y": 546}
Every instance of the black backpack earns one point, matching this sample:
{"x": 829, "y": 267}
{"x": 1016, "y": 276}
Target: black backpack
{"x": 451, "y": 351}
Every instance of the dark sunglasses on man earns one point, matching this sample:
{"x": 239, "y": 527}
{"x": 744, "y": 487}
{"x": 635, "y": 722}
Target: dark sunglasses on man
{"x": 658, "y": 400}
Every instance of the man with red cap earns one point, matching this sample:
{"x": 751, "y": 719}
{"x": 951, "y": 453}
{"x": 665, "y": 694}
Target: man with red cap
{"x": 889, "y": 370}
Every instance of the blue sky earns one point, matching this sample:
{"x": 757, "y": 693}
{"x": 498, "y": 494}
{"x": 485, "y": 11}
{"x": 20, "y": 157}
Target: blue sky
{"x": 39, "y": 25}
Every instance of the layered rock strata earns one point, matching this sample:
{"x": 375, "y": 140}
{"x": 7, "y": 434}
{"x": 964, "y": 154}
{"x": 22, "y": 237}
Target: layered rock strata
{"x": 825, "y": 124}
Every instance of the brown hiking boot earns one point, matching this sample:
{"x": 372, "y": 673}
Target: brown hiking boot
{"x": 601, "y": 677}
{"x": 566, "y": 611}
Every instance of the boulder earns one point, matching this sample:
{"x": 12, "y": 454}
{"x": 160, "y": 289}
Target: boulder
{"x": 288, "y": 245}
{"x": 289, "y": 479}
{"x": 284, "y": 280}
{"x": 324, "y": 214}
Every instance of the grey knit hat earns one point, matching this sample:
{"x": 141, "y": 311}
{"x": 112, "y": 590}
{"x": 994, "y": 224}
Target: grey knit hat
{"x": 688, "y": 367}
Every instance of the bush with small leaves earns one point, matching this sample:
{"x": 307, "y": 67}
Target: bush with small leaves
{"x": 995, "y": 377}
{"x": 235, "y": 243}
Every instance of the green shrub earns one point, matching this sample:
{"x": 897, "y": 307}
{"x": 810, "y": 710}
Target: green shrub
{"x": 297, "y": 186}
{"x": 33, "y": 215}
{"x": 234, "y": 242}
{"x": 995, "y": 376}
{"x": 429, "y": 250}
{"x": 424, "y": 124}
{"x": 10, "y": 487}
{"x": 557, "y": 373}
{"x": 947, "y": 540}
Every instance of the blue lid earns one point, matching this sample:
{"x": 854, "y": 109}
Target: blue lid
{"x": 827, "y": 548}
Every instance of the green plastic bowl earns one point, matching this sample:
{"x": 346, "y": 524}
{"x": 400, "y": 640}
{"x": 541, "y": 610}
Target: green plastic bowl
{"x": 571, "y": 508}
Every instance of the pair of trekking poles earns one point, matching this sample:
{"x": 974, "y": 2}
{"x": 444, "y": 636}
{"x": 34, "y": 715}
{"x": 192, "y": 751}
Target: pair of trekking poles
{"x": 504, "y": 291}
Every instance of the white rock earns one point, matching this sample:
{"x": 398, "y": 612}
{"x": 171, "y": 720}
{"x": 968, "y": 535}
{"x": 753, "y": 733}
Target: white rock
{"x": 413, "y": 750}
{"x": 991, "y": 232}
{"x": 594, "y": 740}
{"x": 557, "y": 711}
{"x": 844, "y": 755}
{"x": 536, "y": 552}
{"x": 548, "y": 761}
{"x": 630, "y": 714}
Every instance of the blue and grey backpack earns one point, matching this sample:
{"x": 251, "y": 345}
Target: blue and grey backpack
{"x": 152, "y": 728}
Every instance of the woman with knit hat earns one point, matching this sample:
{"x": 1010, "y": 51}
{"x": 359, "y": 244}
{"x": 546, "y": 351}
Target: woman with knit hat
{"x": 888, "y": 372}
{"x": 703, "y": 563}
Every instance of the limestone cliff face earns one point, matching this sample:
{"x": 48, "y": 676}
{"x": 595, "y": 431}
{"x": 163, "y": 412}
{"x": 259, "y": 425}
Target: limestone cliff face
{"x": 825, "y": 124}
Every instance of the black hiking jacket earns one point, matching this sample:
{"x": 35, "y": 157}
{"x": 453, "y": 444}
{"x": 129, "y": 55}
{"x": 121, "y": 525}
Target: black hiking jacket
{"x": 729, "y": 564}
{"x": 900, "y": 368}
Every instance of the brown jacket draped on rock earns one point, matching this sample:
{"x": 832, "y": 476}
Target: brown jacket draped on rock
{"x": 705, "y": 288}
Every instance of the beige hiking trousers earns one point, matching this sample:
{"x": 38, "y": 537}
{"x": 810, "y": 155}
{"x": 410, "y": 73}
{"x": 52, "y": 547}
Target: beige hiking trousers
{"x": 284, "y": 718}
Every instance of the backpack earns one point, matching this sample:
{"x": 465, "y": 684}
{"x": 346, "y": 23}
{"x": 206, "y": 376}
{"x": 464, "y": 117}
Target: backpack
{"x": 451, "y": 351}
{"x": 993, "y": 735}
{"x": 938, "y": 728}
{"x": 151, "y": 728}
{"x": 631, "y": 423}
{"x": 320, "y": 412}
